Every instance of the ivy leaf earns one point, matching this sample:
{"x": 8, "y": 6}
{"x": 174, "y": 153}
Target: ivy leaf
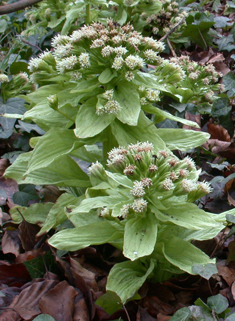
{"x": 206, "y": 271}
{"x": 217, "y": 303}
{"x": 44, "y": 317}
{"x": 183, "y": 314}
{"x": 229, "y": 83}
{"x": 126, "y": 278}
{"x": 140, "y": 236}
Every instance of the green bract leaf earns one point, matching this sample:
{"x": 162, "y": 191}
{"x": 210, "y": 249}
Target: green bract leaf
{"x": 187, "y": 215}
{"x": 140, "y": 236}
{"x": 130, "y": 103}
{"x": 145, "y": 131}
{"x": 93, "y": 234}
{"x": 127, "y": 277}
{"x": 88, "y": 123}
{"x": 106, "y": 76}
{"x": 182, "y": 139}
{"x": 57, "y": 214}
{"x": 183, "y": 254}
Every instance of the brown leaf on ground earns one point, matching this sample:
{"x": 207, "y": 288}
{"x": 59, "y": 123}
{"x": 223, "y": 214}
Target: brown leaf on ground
{"x": 10, "y": 315}
{"x": 10, "y": 187}
{"x": 226, "y": 273}
{"x": 27, "y": 235}
{"x": 27, "y": 303}
{"x": 59, "y": 302}
{"x": 231, "y": 200}
{"x": 13, "y": 274}
{"x": 143, "y": 315}
{"x": 218, "y": 132}
{"x": 222, "y": 148}
{"x": 4, "y": 163}
{"x": 156, "y": 306}
{"x": 29, "y": 255}
{"x": 195, "y": 118}
{"x": 50, "y": 193}
{"x": 11, "y": 242}
{"x": 81, "y": 312}
{"x": 88, "y": 276}
{"x": 233, "y": 290}
{"x": 4, "y": 217}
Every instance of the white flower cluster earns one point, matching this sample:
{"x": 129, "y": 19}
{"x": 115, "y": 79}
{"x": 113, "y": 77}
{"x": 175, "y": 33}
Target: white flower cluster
{"x": 167, "y": 18}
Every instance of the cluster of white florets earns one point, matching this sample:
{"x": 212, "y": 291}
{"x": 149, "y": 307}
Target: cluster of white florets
{"x": 167, "y": 18}
{"x": 202, "y": 77}
{"x": 161, "y": 173}
{"x": 126, "y": 48}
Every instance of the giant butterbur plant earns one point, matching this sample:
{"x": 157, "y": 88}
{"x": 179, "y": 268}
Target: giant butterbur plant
{"x": 143, "y": 205}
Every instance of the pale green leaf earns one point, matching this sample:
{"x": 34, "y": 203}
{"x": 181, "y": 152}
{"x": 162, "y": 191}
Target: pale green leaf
{"x": 120, "y": 179}
{"x": 126, "y": 278}
{"x": 45, "y": 117}
{"x": 34, "y": 214}
{"x": 218, "y": 303}
{"x": 128, "y": 98}
{"x": 17, "y": 170}
{"x": 140, "y": 236}
{"x": 57, "y": 214}
{"x": 187, "y": 215}
{"x": 56, "y": 142}
{"x": 93, "y": 234}
{"x": 184, "y": 254}
{"x": 106, "y": 76}
{"x": 145, "y": 131}
{"x": 81, "y": 219}
{"x": 63, "y": 171}
{"x": 97, "y": 202}
{"x": 183, "y": 139}
{"x": 164, "y": 114}
{"x": 149, "y": 81}
{"x": 88, "y": 123}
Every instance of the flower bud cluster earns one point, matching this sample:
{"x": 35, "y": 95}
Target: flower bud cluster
{"x": 201, "y": 79}
{"x": 160, "y": 173}
{"x": 15, "y": 85}
{"x": 167, "y": 18}
{"x": 127, "y": 50}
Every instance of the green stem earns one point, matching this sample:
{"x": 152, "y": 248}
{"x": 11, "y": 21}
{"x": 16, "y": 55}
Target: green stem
{"x": 109, "y": 142}
{"x": 88, "y": 14}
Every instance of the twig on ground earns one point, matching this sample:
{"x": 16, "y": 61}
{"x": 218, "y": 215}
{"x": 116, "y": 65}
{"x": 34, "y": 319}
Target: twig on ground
{"x": 20, "y": 5}
{"x": 172, "y": 30}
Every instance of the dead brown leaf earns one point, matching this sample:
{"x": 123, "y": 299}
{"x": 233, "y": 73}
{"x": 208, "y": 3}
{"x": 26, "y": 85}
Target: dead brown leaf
{"x": 195, "y": 118}
{"x": 26, "y": 304}
{"x": 81, "y": 312}
{"x": 156, "y": 306}
{"x": 11, "y": 242}
{"x": 10, "y": 187}
{"x": 88, "y": 276}
{"x": 59, "y": 302}
{"x": 28, "y": 234}
{"x": 218, "y": 132}
{"x": 13, "y": 274}
{"x": 4, "y": 163}
{"x": 226, "y": 273}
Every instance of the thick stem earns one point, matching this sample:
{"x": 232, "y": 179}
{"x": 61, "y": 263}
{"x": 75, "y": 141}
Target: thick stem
{"x": 88, "y": 14}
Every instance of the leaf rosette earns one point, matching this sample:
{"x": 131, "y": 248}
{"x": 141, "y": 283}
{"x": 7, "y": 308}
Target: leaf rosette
{"x": 143, "y": 205}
